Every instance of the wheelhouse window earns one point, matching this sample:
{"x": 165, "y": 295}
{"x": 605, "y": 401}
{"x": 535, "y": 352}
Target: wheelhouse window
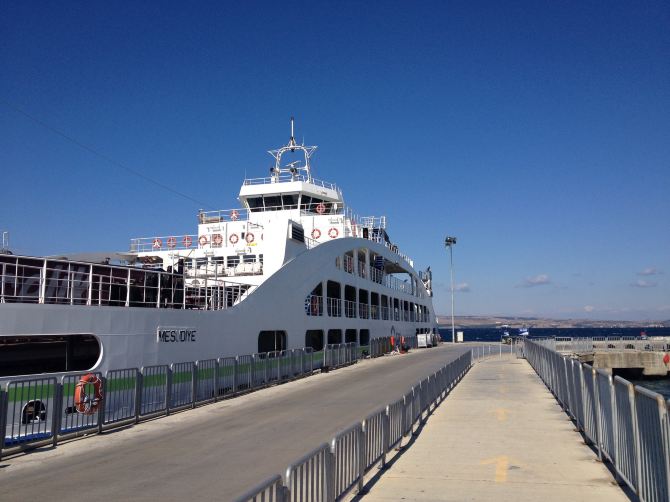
{"x": 290, "y": 201}
{"x": 255, "y": 204}
{"x": 272, "y": 202}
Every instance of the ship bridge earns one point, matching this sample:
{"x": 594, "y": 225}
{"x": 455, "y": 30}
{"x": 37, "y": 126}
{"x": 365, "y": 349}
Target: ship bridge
{"x": 291, "y": 185}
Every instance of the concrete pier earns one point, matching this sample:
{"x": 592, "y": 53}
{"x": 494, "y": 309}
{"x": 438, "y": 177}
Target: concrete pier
{"x": 500, "y": 435}
{"x": 650, "y": 363}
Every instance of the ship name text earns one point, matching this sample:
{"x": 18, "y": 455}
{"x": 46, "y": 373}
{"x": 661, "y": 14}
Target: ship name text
{"x": 176, "y": 334}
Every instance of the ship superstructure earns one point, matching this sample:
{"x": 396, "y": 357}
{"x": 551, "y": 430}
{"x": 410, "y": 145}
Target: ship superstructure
{"x": 286, "y": 212}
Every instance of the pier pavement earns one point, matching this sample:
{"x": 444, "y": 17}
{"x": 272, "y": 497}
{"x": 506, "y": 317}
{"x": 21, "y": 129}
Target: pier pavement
{"x": 220, "y": 450}
{"x": 500, "y": 435}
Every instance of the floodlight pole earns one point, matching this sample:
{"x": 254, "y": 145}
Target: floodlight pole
{"x": 450, "y": 242}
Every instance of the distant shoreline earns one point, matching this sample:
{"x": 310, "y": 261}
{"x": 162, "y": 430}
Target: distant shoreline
{"x": 535, "y": 322}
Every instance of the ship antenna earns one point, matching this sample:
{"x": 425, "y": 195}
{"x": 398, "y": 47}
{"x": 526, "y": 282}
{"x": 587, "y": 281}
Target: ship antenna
{"x": 291, "y": 141}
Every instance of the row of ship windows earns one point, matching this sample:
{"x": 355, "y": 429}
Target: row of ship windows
{"x": 362, "y": 304}
{"x": 269, "y": 341}
{"x": 317, "y": 339}
{"x": 354, "y": 262}
{"x": 291, "y": 201}
{"x": 229, "y": 261}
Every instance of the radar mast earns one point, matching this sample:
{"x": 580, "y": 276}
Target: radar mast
{"x": 296, "y": 166}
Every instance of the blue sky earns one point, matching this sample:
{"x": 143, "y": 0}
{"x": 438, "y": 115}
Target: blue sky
{"x": 538, "y": 133}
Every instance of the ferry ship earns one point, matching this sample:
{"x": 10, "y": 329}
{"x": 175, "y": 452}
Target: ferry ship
{"x": 292, "y": 267}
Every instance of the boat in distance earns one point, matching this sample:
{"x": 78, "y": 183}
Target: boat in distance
{"x": 292, "y": 267}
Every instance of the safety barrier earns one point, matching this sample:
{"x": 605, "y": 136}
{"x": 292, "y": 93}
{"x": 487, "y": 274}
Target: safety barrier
{"x": 338, "y": 355}
{"x": 36, "y": 411}
{"x": 628, "y": 425}
{"x": 332, "y": 470}
{"x": 605, "y": 343}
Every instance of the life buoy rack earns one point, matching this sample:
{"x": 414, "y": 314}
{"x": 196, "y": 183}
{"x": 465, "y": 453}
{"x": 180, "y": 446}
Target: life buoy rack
{"x": 333, "y": 232}
{"x": 202, "y": 240}
{"x": 316, "y": 233}
{"x": 171, "y": 242}
{"x": 233, "y": 238}
{"x": 234, "y": 215}
{"x": 217, "y": 239}
{"x": 320, "y": 208}
{"x": 187, "y": 241}
{"x": 84, "y": 403}
{"x": 157, "y": 243}
{"x": 249, "y": 238}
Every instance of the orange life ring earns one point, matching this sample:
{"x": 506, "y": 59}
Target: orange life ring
{"x": 316, "y": 233}
{"x": 187, "y": 241}
{"x": 171, "y": 242}
{"x": 320, "y": 208}
{"x": 82, "y": 401}
{"x": 233, "y": 238}
{"x": 249, "y": 238}
{"x": 158, "y": 243}
{"x": 333, "y": 232}
{"x": 234, "y": 215}
{"x": 203, "y": 240}
{"x": 217, "y": 239}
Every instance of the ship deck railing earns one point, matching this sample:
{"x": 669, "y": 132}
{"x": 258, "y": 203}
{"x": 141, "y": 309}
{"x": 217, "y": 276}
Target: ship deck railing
{"x": 288, "y": 178}
{"x": 352, "y": 227}
{"x": 64, "y": 282}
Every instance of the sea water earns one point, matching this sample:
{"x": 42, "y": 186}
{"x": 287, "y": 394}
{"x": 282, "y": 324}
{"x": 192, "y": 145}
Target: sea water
{"x": 660, "y": 385}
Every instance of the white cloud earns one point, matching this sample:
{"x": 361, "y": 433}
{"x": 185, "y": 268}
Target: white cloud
{"x": 650, "y": 271}
{"x": 538, "y": 280}
{"x": 463, "y": 287}
{"x": 589, "y": 308}
{"x": 643, "y": 284}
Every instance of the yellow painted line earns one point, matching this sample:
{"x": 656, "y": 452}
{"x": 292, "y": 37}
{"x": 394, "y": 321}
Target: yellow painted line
{"x": 501, "y": 414}
{"x": 502, "y": 466}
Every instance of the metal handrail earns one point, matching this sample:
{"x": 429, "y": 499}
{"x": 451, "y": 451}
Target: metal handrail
{"x": 628, "y": 425}
{"x": 132, "y": 395}
{"x": 49, "y": 281}
{"x": 363, "y": 446}
{"x": 287, "y": 177}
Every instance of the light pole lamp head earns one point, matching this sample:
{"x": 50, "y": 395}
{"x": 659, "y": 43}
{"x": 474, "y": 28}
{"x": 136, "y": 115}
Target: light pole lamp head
{"x": 449, "y": 241}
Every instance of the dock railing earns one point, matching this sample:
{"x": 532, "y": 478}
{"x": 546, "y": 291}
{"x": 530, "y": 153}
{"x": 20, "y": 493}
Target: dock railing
{"x": 332, "y": 470}
{"x": 42, "y": 409}
{"x": 629, "y": 426}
